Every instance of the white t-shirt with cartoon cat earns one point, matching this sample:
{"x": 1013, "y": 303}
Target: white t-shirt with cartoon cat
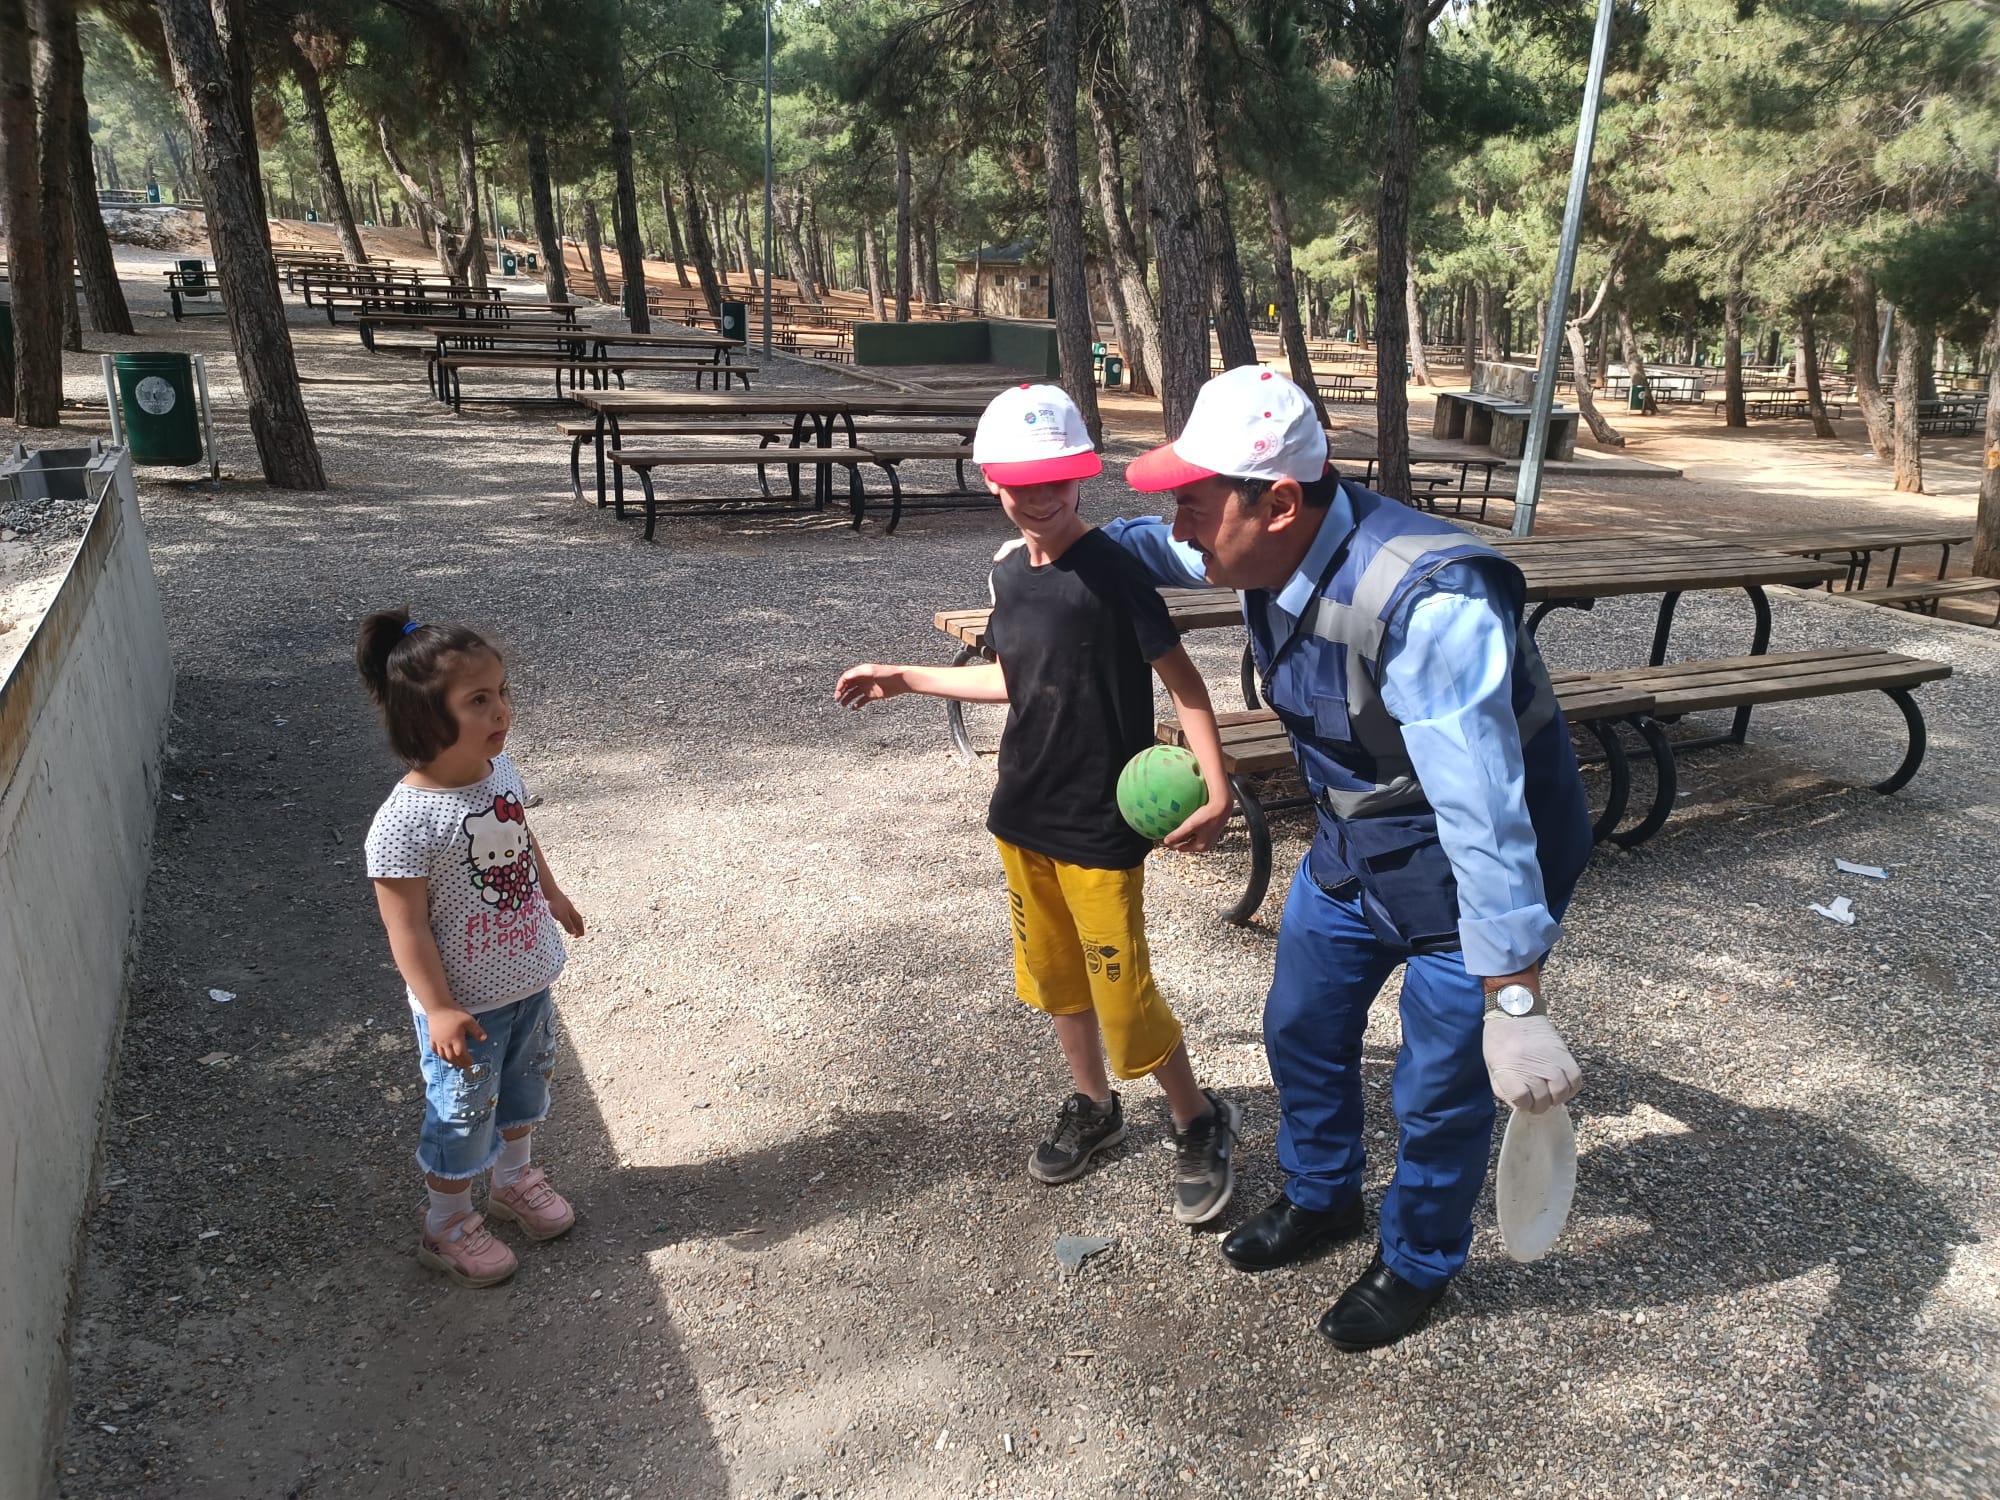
{"x": 493, "y": 928}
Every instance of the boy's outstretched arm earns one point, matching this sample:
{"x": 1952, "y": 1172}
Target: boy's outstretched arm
{"x": 1190, "y": 694}
{"x": 976, "y": 682}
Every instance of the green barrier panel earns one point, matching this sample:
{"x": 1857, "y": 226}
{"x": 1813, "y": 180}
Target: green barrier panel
{"x": 157, "y": 399}
{"x": 920, "y": 343}
{"x": 1025, "y": 346}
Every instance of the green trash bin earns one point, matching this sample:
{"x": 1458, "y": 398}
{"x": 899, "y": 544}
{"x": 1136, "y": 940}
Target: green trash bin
{"x": 509, "y": 264}
{"x": 1635, "y": 399}
{"x": 533, "y": 263}
{"x": 156, "y": 398}
{"x": 193, "y": 277}
{"x": 736, "y": 321}
{"x": 1114, "y": 371}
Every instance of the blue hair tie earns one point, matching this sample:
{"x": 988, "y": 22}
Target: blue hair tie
{"x": 412, "y": 625}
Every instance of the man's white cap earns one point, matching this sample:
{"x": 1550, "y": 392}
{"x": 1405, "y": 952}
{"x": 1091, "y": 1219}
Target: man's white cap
{"x": 1033, "y": 434}
{"x": 1248, "y": 423}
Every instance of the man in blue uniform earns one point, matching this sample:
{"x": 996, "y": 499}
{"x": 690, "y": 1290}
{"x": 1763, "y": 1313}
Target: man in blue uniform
{"x": 1452, "y": 829}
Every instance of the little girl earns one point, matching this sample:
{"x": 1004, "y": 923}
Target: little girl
{"x": 467, "y": 896}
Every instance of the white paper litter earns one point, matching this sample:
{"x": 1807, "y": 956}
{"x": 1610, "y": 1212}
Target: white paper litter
{"x": 221, "y": 997}
{"x": 1841, "y": 910}
{"x": 1873, "y": 872}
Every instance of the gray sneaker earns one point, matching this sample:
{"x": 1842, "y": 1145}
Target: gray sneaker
{"x": 1081, "y": 1130}
{"x": 1205, "y": 1163}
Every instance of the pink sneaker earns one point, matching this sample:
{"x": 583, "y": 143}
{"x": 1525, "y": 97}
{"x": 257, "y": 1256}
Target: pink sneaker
{"x": 539, "y": 1209}
{"x": 466, "y": 1251}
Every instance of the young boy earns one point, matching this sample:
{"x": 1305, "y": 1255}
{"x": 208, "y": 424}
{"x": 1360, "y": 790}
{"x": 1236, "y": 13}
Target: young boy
{"x": 1075, "y": 623}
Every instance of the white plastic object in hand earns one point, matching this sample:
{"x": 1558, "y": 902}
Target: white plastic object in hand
{"x": 1528, "y": 1063}
{"x": 1536, "y": 1181}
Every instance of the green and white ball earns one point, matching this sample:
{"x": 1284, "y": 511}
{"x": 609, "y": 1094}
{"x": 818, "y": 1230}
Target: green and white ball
{"x": 1159, "y": 789}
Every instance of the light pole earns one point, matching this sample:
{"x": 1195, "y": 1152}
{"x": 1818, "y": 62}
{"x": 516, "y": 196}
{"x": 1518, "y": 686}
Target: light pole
{"x": 767, "y": 179}
{"x": 1528, "y": 490}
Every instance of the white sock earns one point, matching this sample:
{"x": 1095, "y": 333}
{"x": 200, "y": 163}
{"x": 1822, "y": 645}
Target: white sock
{"x": 447, "y": 1206}
{"x": 513, "y": 1160}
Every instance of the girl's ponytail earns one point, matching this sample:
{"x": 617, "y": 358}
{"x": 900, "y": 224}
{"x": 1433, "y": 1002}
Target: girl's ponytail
{"x": 407, "y": 669}
{"x": 381, "y": 633}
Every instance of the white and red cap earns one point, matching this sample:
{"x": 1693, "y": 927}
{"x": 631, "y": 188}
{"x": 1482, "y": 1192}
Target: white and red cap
{"x": 1033, "y": 434}
{"x": 1248, "y": 423}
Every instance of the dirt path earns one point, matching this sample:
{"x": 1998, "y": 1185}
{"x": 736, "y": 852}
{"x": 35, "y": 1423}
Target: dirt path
{"x": 797, "y": 1093}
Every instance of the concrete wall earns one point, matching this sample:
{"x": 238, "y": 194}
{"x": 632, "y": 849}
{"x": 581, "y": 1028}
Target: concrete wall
{"x": 82, "y": 717}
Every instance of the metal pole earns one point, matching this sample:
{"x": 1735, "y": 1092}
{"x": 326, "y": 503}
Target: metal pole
{"x": 1528, "y": 490}
{"x": 493, "y": 217}
{"x": 767, "y": 179}
{"x": 111, "y": 400}
{"x": 207, "y": 425}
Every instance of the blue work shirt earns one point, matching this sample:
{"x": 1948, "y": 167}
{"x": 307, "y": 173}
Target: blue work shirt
{"x": 1445, "y": 674}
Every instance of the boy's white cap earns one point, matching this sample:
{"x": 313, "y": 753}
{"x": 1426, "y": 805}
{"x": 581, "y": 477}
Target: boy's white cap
{"x": 1033, "y": 434}
{"x": 1248, "y": 423}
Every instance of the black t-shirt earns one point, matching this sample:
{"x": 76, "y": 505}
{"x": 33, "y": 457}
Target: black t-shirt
{"x": 1074, "y": 641}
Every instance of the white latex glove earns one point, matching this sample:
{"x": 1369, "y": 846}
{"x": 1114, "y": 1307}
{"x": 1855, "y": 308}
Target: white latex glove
{"x": 1528, "y": 1063}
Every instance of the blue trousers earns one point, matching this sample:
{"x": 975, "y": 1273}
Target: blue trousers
{"x": 1330, "y": 968}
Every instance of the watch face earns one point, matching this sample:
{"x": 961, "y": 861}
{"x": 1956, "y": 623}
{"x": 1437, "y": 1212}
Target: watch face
{"x": 1515, "y": 999}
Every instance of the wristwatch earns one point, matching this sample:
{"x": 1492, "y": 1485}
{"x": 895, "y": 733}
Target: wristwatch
{"x": 1515, "y": 1000}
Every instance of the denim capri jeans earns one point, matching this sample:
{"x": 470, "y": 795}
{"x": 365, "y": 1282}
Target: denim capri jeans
{"x": 504, "y": 1085}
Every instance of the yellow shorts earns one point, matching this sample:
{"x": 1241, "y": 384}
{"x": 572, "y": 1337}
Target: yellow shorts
{"x": 1080, "y": 945}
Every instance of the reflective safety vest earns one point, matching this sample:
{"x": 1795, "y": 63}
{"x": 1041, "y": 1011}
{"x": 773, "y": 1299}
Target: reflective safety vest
{"x": 1377, "y": 831}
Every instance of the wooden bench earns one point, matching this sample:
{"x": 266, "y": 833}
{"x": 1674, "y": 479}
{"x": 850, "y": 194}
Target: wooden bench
{"x": 1925, "y": 597}
{"x": 1255, "y": 746}
{"x": 449, "y": 366}
{"x": 642, "y": 462}
{"x": 769, "y": 432}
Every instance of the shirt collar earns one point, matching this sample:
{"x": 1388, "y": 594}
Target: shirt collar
{"x": 1334, "y": 528}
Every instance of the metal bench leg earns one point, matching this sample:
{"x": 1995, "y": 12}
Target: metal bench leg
{"x": 895, "y": 497}
{"x": 1249, "y": 674}
{"x": 1620, "y": 771}
{"x": 1662, "y": 628}
{"x": 954, "y": 716}
{"x": 1258, "y": 831}
{"x": 1919, "y": 740}
{"x": 1666, "y": 783}
{"x": 857, "y": 497}
{"x": 646, "y": 484}
{"x": 576, "y": 465}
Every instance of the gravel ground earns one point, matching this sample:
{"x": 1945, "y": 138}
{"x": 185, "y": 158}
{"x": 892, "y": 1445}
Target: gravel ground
{"x": 798, "y": 1095}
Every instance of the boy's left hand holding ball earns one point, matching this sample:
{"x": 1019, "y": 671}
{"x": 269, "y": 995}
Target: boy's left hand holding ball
{"x": 565, "y": 912}
{"x": 1199, "y": 833}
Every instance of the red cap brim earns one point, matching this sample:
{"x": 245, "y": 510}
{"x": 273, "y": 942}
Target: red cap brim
{"x": 1163, "y": 469}
{"x": 1046, "y": 470}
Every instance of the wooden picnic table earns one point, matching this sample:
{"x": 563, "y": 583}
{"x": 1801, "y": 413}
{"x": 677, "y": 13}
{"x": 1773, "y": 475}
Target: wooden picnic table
{"x": 433, "y": 304}
{"x": 516, "y": 316}
{"x": 814, "y": 416}
{"x": 1858, "y": 542}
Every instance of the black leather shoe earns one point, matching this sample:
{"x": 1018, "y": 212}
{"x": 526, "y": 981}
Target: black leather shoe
{"x": 1378, "y": 1309}
{"x": 1284, "y": 1233}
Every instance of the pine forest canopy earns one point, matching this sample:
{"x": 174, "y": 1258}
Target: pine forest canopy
{"x": 1768, "y": 174}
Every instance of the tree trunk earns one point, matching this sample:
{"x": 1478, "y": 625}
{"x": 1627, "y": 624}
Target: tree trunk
{"x": 674, "y": 233}
{"x": 227, "y": 162}
{"x": 933, "y": 289}
{"x": 1733, "y": 414}
{"x": 704, "y": 254}
{"x": 470, "y": 265}
{"x": 631, "y": 251}
{"x": 978, "y": 278}
{"x": 1392, "y": 253}
{"x": 1867, "y": 344}
{"x": 1218, "y": 231}
{"x": 741, "y": 225}
{"x": 102, "y": 291}
{"x": 1909, "y": 442}
{"x": 1468, "y": 332}
{"x": 1806, "y": 364}
{"x": 35, "y": 397}
{"x": 1586, "y": 394}
{"x": 593, "y": 240}
{"x": 1924, "y": 337}
{"x": 1986, "y": 535}
{"x": 903, "y": 222}
{"x": 332, "y": 188}
{"x": 1289, "y": 328}
{"x": 818, "y": 246}
{"x": 555, "y": 274}
{"x": 375, "y": 197}
{"x": 1635, "y": 362}
{"x": 1154, "y": 39}
{"x": 1420, "y": 369}
{"x": 871, "y": 257}
{"x": 1140, "y": 339}
{"x": 56, "y": 94}
{"x": 1076, "y": 329}
{"x": 789, "y": 214}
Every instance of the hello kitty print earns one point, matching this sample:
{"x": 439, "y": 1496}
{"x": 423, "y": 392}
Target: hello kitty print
{"x": 473, "y": 847}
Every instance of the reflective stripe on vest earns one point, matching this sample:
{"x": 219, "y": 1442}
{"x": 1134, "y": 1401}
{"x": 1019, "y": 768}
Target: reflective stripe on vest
{"x": 1398, "y": 566}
